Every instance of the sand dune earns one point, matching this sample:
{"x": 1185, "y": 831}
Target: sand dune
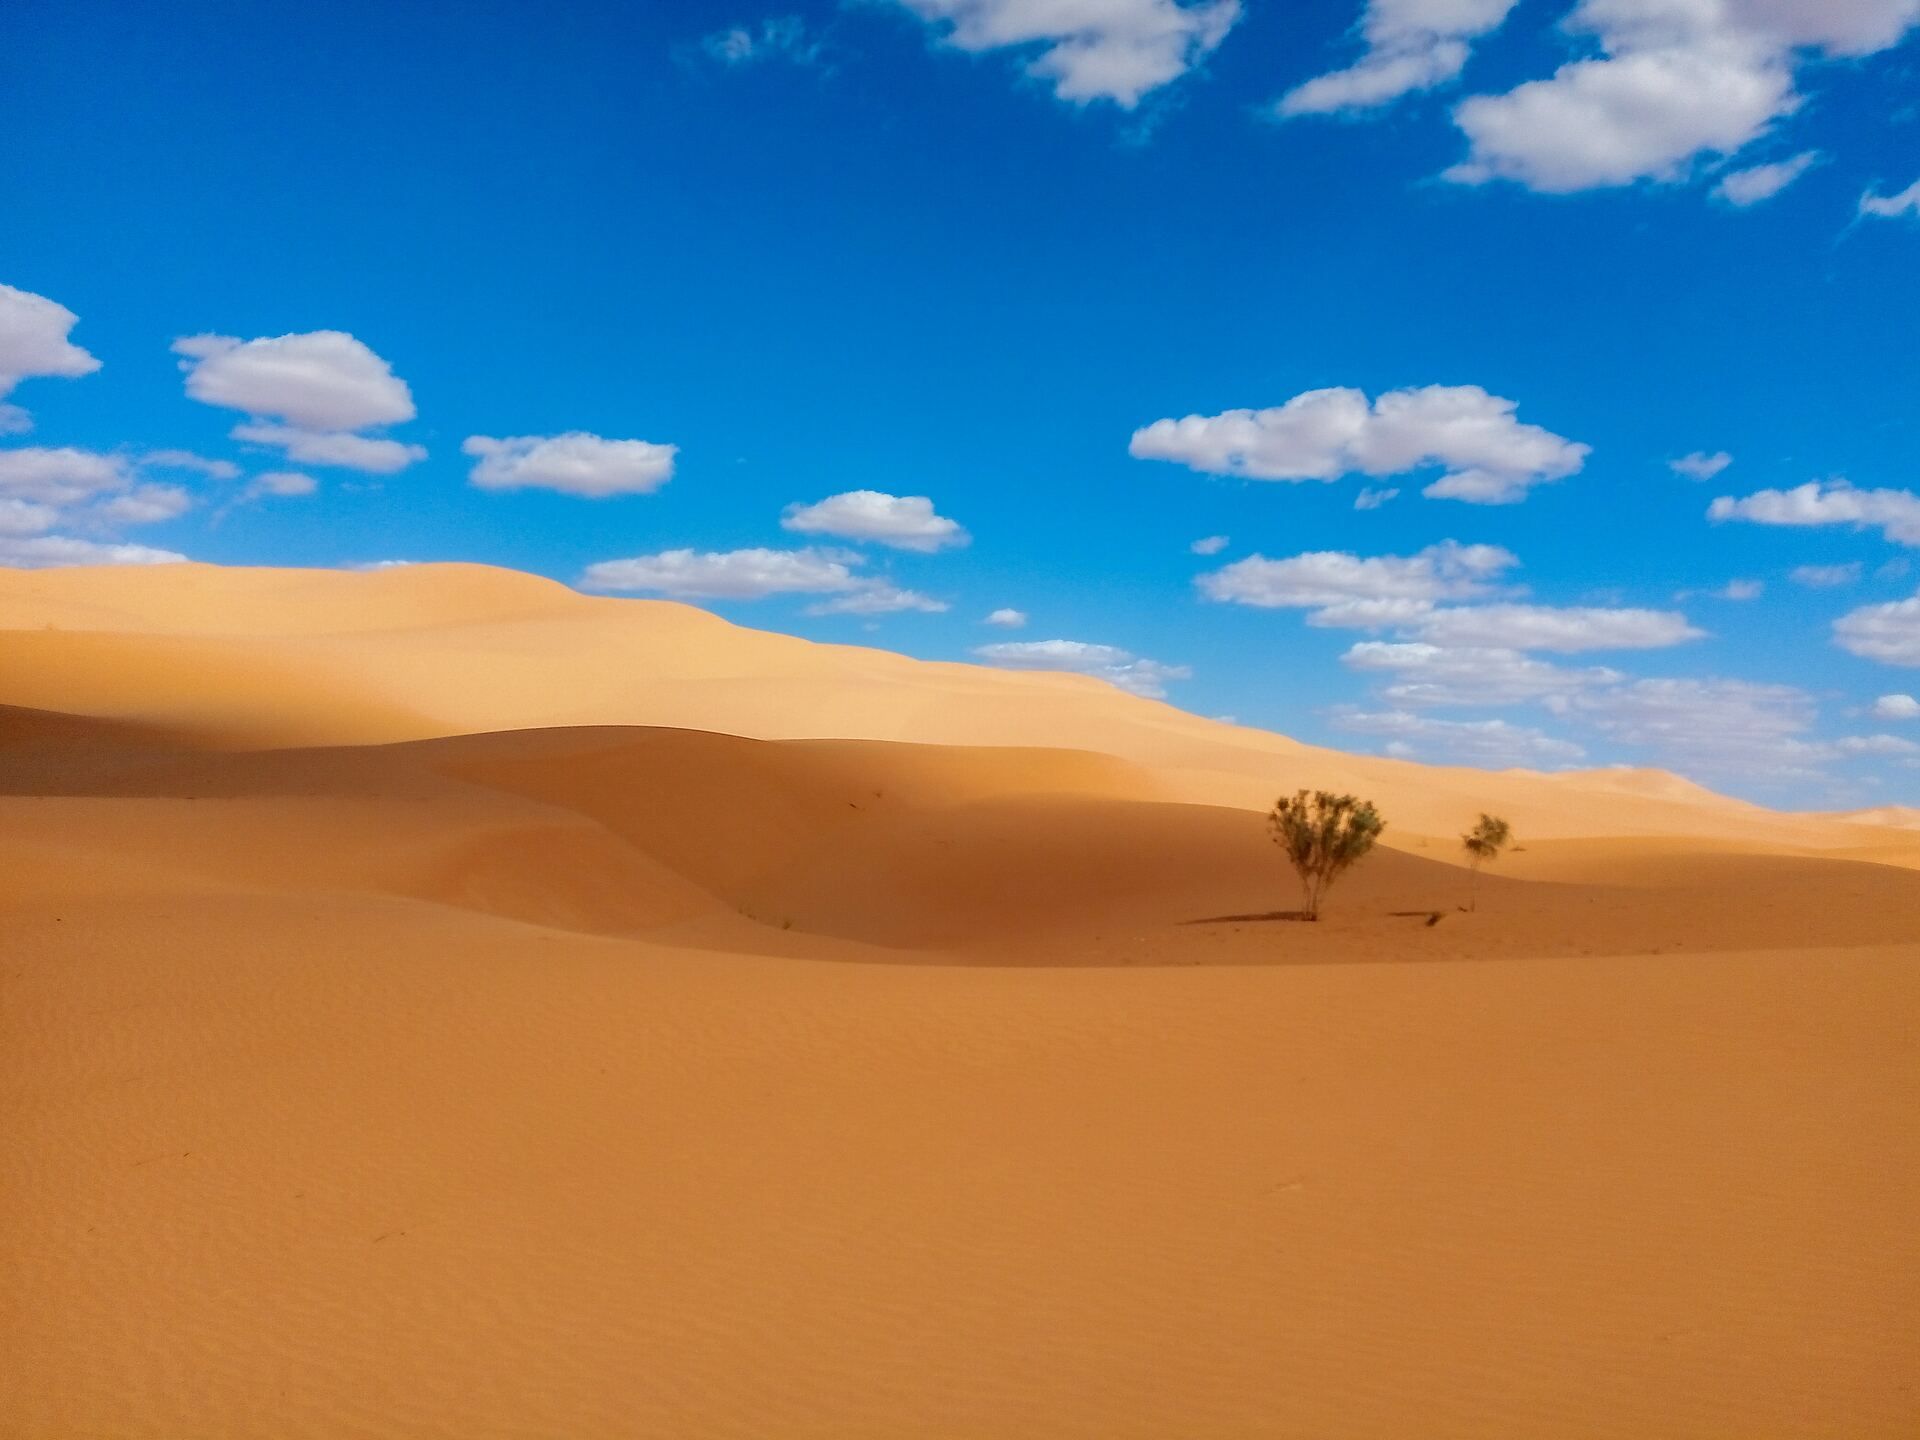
{"x": 436, "y": 1002}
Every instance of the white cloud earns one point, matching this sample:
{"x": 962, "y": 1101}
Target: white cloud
{"x": 1889, "y": 633}
{"x": 1411, "y": 45}
{"x": 1709, "y": 727}
{"x": 1118, "y": 667}
{"x": 1006, "y": 618}
{"x": 879, "y": 597}
{"x": 1371, "y": 499}
{"x": 323, "y": 380}
{"x": 1825, "y": 577}
{"x": 1486, "y": 743}
{"x": 187, "y": 460}
{"x": 779, "y": 37}
{"x": 1896, "y": 513}
{"x": 1675, "y": 80}
{"x": 282, "y": 483}
{"x": 48, "y": 551}
{"x": 1886, "y": 207}
{"x": 906, "y": 522}
{"x": 33, "y": 343}
{"x": 1897, "y": 707}
{"x": 1322, "y": 579}
{"x": 1762, "y": 182}
{"x": 145, "y": 505}
{"x": 1209, "y": 545}
{"x": 1427, "y": 674}
{"x": 1489, "y": 456}
{"x": 26, "y": 517}
{"x": 1852, "y": 745}
{"x": 1117, "y": 50}
{"x": 42, "y": 488}
{"x": 1560, "y": 628}
{"x": 1701, "y": 465}
{"x": 1403, "y": 592}
{"x": 575, "y": 463}
{"x": 1610, "y": 122}
{"x": 1739, "y": 590}
{"x": 728, "y": 575}
{"x": 339, "y": 448}
{"x": 322, "y": 387}
{"x": 62, "y": 476}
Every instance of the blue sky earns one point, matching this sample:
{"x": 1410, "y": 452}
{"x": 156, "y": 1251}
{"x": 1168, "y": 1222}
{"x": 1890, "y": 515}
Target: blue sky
{"x": 413, "y": 286}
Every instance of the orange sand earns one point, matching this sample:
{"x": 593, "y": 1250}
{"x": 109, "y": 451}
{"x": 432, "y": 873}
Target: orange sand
{"x": 433, "y": 1002}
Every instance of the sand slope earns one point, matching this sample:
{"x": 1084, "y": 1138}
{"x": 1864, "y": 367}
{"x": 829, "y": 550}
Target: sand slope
{"x": 433, "y": 1002}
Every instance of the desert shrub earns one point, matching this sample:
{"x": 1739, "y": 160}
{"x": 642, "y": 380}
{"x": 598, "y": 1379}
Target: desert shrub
{"x": 1483, "y": 844}
{"x": 1323, "y": 834}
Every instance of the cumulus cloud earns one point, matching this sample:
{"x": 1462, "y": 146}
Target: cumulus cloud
{"x": 145, "y": 505}
{"x": 26, "y": 517}
{"x": 60, "y": 476}
{"x": 1116, "y": 50}
{"x": 1006, "y": 618}
{"x": 34, "y": 343}
{"x": 878, "y": 597}
{"x": 1701, "y": 465}
{"x": 324, "y": 380}
{"x": 1897, "y": 707}
{"x": 308, "y": 394}
{"x": 1889, "y": 633}
{"x": 1886, "y": 207}
{"x": 1118, "y": 667}
{"x": 187, "y": 460}
{"x": 45, "y": 552}
{"x": 1489, "y": 457}
{"x": 42, "y": 489}
{"x": 1333, "y": 579}
{"x": 1674, "y": 80}
{"x": 779, "y": 37}
{"x": 1403, "y": 592}
{"x": 339, "y": 448}
{"x": 1896, "y": 513}
{"x": 1750, "y": 186}
{"x": 758, "y": 573}
{"x": 281, "y": 484}
{"x": 727, "y": 575}
{"x": 1209, "y": 545}
{"x": 905, "y": 522}
{"x": 575, "y": 463}
{"x": 1425, "y": 674}
{"x": 1411, "y": 45}
{"x": 1711, "y": 726}
{"x": 1372, "y": 499}
{"x": 1851, "y": 745}
{"x": 1564, "y": 629}
{"x": 1825, "y": 577}
{"x": 1490, "y": 744}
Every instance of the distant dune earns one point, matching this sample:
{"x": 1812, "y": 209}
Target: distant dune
{"x": 436, "y": 1002}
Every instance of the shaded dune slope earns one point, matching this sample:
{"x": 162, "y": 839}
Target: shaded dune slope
{"x": 720, "y": 839}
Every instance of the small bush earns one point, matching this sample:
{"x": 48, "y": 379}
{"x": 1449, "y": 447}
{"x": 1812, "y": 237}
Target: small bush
{"x": 1323, "y": 834}
{"x": 1483, "y": 843}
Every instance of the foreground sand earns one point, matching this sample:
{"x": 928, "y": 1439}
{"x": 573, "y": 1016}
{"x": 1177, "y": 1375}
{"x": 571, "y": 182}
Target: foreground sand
{"x": 364, "y": 1075}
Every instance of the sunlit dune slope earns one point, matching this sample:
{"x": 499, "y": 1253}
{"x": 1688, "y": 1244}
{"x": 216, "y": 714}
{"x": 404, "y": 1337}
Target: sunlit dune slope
{"x": 264, "y": 658}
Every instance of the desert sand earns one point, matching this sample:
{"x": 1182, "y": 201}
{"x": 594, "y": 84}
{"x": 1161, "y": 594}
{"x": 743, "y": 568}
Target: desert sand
{"x": 434, "y": 1002}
